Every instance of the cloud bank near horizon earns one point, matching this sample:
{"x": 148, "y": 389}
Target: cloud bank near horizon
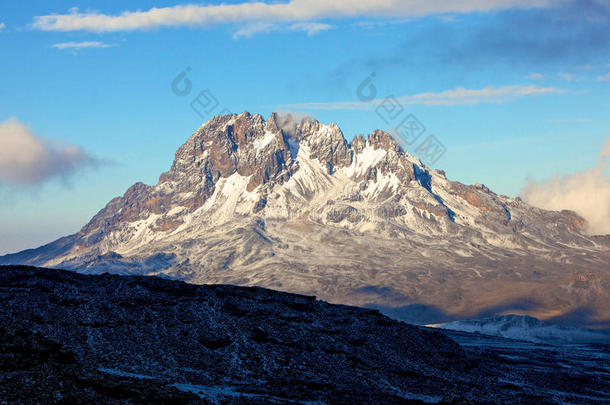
{"x": 28, "y": 160}
{"x": 586, "y": 192}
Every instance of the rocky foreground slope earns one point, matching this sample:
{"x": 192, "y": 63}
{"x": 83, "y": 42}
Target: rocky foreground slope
{"x": 294, "y": 206}
{"x": 73, "y": 338}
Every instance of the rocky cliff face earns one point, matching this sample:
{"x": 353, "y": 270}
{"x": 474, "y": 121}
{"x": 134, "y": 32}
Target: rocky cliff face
{"x": 294, "y": 206}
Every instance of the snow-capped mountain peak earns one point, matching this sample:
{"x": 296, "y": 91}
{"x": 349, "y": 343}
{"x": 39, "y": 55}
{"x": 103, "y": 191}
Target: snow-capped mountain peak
{"x": 293, "y": 205}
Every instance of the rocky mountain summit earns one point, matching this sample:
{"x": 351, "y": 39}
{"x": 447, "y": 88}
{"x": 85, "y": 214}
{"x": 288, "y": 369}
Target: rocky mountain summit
{"x": 294, "y": 206}
{"x": 72, "y": 338}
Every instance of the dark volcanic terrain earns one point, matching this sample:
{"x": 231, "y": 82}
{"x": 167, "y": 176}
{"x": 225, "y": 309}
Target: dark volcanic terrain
{"x": 72, "y": 338}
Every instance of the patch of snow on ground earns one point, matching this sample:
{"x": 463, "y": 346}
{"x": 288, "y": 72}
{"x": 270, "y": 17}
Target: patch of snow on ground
{"x": 311, "y": 176}
{"x": 259, "y": 144}
{"x": 384, "y": 181}
{"x": 235, "y": 184}
{"x": 230, "y": 197}
{"x": 216, "y": 394}
{"x": 125, "y": 373}
{"x": 369, "y": 157}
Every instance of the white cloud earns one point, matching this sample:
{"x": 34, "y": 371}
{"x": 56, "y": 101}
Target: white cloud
{"x": 456, "y": 96}
{"x": 382, "y": 23}
{"x": 26, "y": 159}
{"x": 75, "y": 46}
{"x": 448, "y": 18}
{"x": 2, "y": 26}
{"x": 586, "y": 192}
{"x": 535, "y": 76}
{"x": 311, "y": 28}
{"x": 291, "y": 11}
{"x": 604, "y": 78}
{"x": 249, "y": 30}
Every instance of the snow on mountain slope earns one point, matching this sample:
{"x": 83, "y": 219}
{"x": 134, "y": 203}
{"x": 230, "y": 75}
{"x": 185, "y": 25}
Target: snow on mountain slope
{"x": 527, "y": 328}
{"x": 294, "y": 206}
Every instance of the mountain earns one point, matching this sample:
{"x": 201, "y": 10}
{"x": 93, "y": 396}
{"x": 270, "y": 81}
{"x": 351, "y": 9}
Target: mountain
{"x": 79, "y": 339}
{"x": 293, "y": 206}
{"x": 529, "y": 329}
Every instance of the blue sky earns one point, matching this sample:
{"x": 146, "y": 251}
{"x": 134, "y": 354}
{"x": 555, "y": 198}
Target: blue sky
{"x": 515, "y": 90}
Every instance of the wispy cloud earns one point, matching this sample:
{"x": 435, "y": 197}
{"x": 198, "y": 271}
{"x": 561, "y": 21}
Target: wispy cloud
{"x": 585, "y": 67}
{"x": 311, "y": 28}
{"x": 26, "y": 159}
{"x": 291, "y": 11}
{"x": 535, "y": 76}
{"x": 2, "y": 26}
{"x": 586, "y": 192}
{"x": 566, "y": 76}
{"x": 75, "y": 46}
{"x": 456, "y": 96}
{"x": 573, "y": 32}
{"x": 448, "y": 18}
{"x": 571, "y": 120}
{"x": 604, "y": 78}
{"x": 380, "y": 23}
{"x": 252, "y": 29}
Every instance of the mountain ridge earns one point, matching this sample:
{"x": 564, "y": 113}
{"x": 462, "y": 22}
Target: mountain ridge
{"x": 294, "y": 206}
{"x": 529, "y": 329}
